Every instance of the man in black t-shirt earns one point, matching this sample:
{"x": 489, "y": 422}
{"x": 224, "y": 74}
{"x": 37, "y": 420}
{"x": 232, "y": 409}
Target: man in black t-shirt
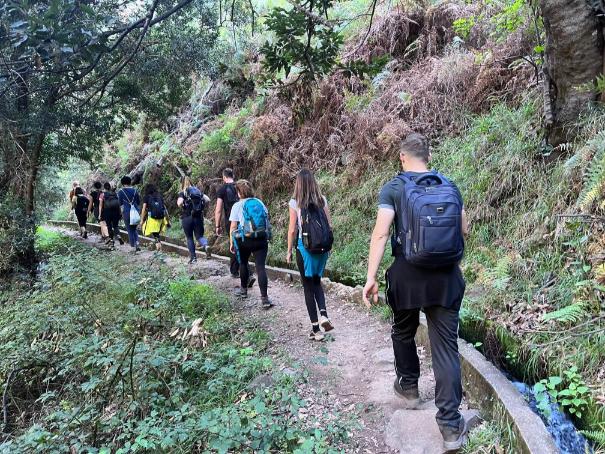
{"x": 226, "y": 196}
{"x": 95, "y": 193}
{"x": 437, "y": 292}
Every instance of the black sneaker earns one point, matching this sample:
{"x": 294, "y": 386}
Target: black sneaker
{"x": 234, "y": 276}
{"x": 192, "y": 261}
{"x": 410, "y": 396}
{"x": 85, "y": 235}
{"x": 121, "y": 241}
{"x": 137, "y": 248}
{"x": 266, "y": 302}
{"x": 251, "y": 282}
{"x": 454, "y": 438}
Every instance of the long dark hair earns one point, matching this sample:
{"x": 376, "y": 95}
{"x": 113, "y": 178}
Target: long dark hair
{"x": 306, "y": 190}
{"x": 150, "y": 189}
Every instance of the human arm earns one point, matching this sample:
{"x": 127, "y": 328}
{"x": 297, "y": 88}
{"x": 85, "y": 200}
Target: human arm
{"x": 180, "y": 201}
{"x": 144, "y": 212}
{"x": 218, "y": 215}
{"x": 379, "y": 239}
{"x": 101, "y": 202}
{"x": 89, "y": 205}
{"x": 291, "y": 233}
{"x": 232, "y": 228}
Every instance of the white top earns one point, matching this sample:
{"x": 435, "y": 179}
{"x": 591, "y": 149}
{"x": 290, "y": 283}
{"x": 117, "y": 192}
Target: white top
{"x": 294, "y": 205}
{"x": 237, "y": 211}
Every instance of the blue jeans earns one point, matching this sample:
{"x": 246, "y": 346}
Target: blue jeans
{"x": 133, "y": 234}
{"x": 194, "y": 226}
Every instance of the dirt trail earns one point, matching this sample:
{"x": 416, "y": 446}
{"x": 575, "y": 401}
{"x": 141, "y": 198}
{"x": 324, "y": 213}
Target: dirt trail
{"x": 352, "y": 371}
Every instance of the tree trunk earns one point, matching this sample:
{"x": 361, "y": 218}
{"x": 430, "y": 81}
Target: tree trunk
{"x": 34, "y": 167}
{"x": 573, "y": 60}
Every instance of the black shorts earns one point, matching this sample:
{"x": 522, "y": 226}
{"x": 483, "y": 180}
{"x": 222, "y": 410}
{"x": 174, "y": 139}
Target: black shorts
{"x": 412, "y": 287}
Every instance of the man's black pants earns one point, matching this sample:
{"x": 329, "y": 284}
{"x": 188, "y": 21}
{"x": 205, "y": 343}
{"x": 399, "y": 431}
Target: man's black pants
{"x": 443, "y": 335}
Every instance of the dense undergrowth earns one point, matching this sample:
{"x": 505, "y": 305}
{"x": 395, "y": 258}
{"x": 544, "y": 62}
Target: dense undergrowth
{"x": 106, "y": 355}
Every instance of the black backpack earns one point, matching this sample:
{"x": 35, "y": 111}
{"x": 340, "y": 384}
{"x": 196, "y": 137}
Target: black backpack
{"x": 82, "y": 203}
{"x": 430, "y": 224}
{"x": 231, "y": 197}
{"x": 111, "y": 203}
{"x": 157, "y": 210}
{"x": 317, "y": 235}
{"x": 195, "y": 199}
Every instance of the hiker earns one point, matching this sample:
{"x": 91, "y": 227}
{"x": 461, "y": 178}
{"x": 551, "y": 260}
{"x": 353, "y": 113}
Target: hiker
{"x": 130, "y": 201}
{"x": 310, "y": 232}
{"x": 226, "y": 197}
{"x": 154, "y": 215}
{"x": 80, "y": 203}
{"x": 109, "y": 209}
{"x": 94, "y": 208}
{"x": 250, "y": 232}
{"x": 192, "y": 203}
{"x": 427, "y": 243}
{"x": 94, "y": 194}
{"x": 70, "y": 197}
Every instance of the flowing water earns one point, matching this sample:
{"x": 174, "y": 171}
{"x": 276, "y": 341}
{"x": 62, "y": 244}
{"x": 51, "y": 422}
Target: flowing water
{"x": 566, "y": 436}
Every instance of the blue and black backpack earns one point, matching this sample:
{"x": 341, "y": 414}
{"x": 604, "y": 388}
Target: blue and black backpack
{"x": 256, "y": 221}
{"x": 430, "y": 221}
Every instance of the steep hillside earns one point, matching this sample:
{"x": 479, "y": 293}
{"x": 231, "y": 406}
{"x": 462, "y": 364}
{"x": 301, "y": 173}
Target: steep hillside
{"x": 535, "y": 256}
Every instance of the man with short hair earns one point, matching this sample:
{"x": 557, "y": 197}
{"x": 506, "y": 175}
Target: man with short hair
{"x": 226, "y": 197}
{"x": 436, "y": 290}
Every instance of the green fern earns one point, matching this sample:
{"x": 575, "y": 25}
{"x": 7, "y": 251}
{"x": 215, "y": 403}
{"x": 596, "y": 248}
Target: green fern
{"x": 594, "y": 178}
{"x": 568, "y": 314}
{"x": 598, "y": 436}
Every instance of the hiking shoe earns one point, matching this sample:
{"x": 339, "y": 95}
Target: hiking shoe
{"x": 251, "y": 282}
{"x": 137, "y": 248}
{"x": 121, "y": 241}
{"x": 241, "y": 292}
{"x": 85, "y": 235}
{"x": 266, "y": 302}
{"x": 192, "y": 261}
{"x": 326, "y": 324}
{"x": 410, "y": 396}
{"x": 316, "y": 336}
{"x": 234, "y": 276}
{"x": 208, "y": 251}
{"x": 454, "y": 438}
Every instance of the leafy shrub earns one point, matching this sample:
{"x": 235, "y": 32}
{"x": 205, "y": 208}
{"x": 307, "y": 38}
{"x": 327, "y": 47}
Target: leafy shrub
{"x": 104, "y": 356}
{"x": 16, "y": 237}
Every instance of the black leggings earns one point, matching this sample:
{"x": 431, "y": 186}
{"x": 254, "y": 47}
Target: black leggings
{"x": 314, "y": 291}
{"x": 81, "y": 216}
{"x": 193, "y": 226}
{"x": 260, "y": 249}
{"x": 113, "y": 223}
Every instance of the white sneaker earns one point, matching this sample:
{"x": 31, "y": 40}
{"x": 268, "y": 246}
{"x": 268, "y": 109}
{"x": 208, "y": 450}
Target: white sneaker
{"x": 316, "y": 336}
{"x": 326, "y": 324}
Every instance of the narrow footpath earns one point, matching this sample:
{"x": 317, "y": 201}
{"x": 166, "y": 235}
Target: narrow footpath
{"x": 350, "y": 372}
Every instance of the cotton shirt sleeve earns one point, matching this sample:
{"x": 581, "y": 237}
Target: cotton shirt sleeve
{"x": 236, "y": 212}
{"x": 386, "y": 198}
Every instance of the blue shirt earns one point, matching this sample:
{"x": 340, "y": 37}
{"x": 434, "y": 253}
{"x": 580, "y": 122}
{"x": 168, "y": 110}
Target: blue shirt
{"x": 128, "y": 195}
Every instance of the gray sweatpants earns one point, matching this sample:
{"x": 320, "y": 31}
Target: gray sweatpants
{"x": 443, "y": 335}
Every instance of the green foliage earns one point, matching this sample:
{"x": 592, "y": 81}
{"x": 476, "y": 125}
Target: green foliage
{"x": 485, "y": 439}
{"x": 303, "y": 40}
{"x": 569, "y": 391}
{"x": 108, "y": 360}
{"x": 568, "y": 314}
{"x": 463, "y": 26}
{"x": 16, "y": 237}
{"x": 598, "y": 436}
{"x": 594, "y": 178}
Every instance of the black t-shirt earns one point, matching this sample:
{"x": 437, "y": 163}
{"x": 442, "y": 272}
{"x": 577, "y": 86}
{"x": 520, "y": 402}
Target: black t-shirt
{"x": 228, "y": 194}
{"x": 412, "y": 287}
{"x": 95, "y": 198}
